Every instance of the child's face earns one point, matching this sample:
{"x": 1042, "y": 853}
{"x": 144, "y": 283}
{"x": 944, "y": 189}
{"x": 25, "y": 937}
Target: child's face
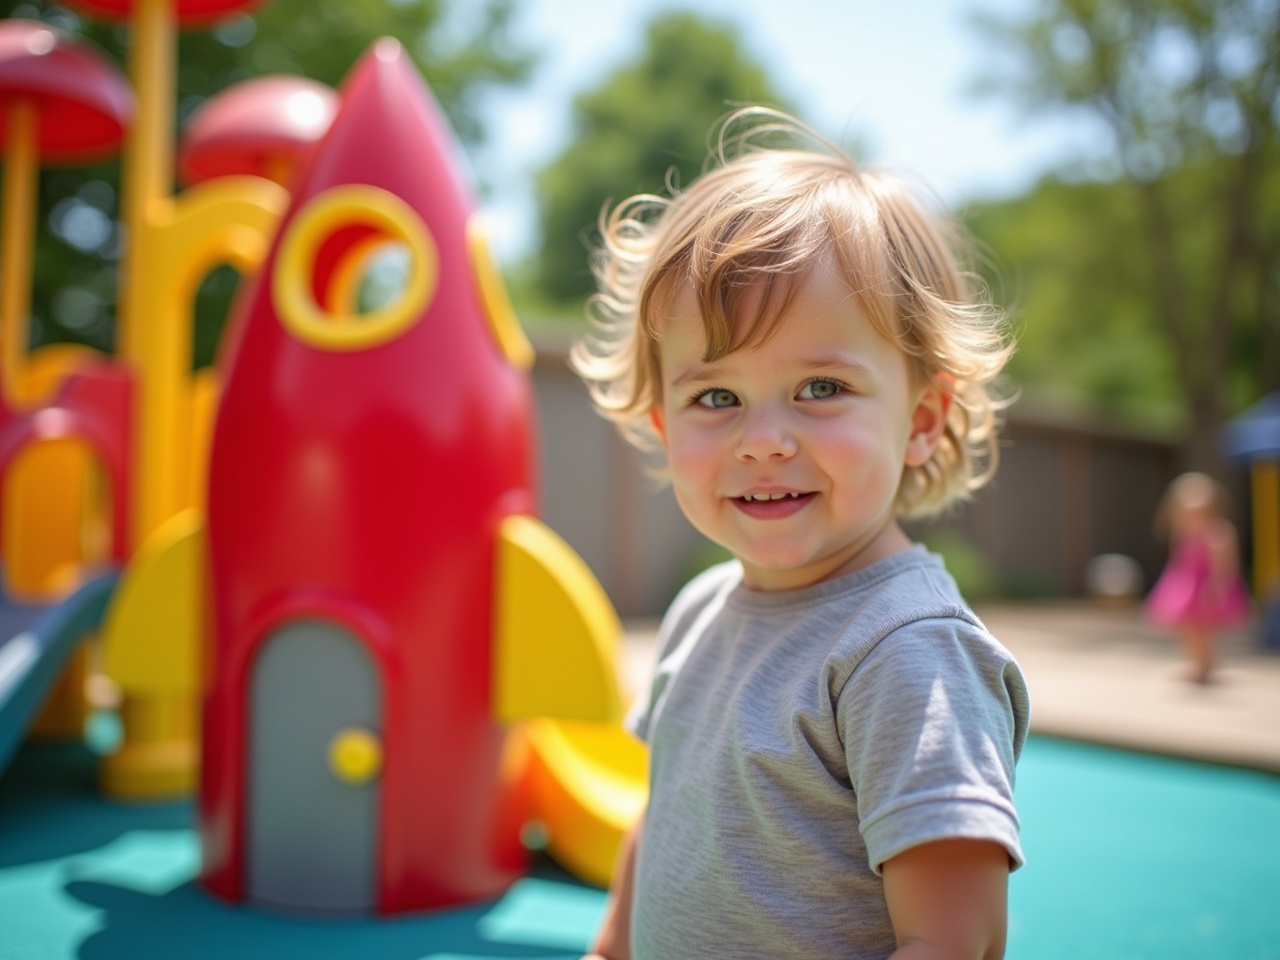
{"x": 824, "y": 413}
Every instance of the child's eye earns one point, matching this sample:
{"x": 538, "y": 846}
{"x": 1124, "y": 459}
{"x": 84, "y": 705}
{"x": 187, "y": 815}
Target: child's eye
{"x": 716, "y": 398}
{"x": 820, "y": 389}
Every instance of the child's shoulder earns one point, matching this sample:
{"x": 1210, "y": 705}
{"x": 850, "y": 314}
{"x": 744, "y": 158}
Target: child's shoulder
{"x": 709, "y": 588}
{"x": 915, "y": 607}
{"x": 908, "y": 587}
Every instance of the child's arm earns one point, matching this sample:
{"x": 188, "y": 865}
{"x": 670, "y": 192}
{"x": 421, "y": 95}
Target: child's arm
{"x": 948, "y": 899}
{"x": 613, "y": 942}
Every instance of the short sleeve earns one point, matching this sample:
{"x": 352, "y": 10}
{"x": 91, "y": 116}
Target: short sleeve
{"x": 933, "y": 720}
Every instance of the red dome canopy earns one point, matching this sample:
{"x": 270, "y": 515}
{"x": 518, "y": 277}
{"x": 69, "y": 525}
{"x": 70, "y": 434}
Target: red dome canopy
{"x": 188, "y": 12}
{"x": 257, "y": 127}
{"x": 83, "y": 103}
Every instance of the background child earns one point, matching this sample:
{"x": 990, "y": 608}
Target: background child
{"x": 1200, "y": 590}
{"x": 833, "y": 732}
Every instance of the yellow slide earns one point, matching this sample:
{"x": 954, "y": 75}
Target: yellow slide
{"x": 556, "y": 674}
{"x": 588, "y": 784}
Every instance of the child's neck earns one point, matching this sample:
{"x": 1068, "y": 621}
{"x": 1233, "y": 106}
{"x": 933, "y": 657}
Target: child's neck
{"x": 885, "y": 541}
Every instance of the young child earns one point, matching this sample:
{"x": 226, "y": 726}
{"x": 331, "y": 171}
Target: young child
{"x": 833, "y": 732}
{"x": 1200, "y": 590}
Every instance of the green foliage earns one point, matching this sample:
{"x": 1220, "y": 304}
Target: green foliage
{"x": 645, "y": 126}
{"x": 1173, "y": 81}
{"x": 1179, "y": 278}
{"x": 1074, "y": 262}
{"x": 973, "y": 572}
{"x": 462, "y": 50}
{"x": 1071, "y": 264}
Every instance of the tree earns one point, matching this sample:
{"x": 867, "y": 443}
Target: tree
{"x": 1068, "y": 258}
{"x": 651, "y": 117}
{"x": 1186, "y": 91}
{"x": 462, "y": 49}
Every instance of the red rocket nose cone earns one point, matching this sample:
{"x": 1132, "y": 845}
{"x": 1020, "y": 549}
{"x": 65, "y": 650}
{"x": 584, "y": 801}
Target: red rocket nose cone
{"x": 389, "y": 132}
{"x": 385, "y": 178}
{"x": 388, "y": 50}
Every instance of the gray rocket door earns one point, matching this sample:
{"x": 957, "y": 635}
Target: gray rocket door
{"x": 311, "y": 832}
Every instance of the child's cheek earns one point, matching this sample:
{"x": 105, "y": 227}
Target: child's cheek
{"x": 693, "y": 458}
{"x": 845, "y": 450}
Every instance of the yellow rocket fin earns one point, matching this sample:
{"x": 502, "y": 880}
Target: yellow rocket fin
{"x": 557, "y": 633}
{"x": 151, "y": 637}
{"x": 506, "y": 329}
{"x": 588, "y": 784}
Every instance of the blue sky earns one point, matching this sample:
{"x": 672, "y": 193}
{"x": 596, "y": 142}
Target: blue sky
{"x": 894, "y": 74}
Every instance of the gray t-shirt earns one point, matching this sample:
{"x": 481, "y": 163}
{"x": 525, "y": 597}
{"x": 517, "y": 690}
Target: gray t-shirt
{"x": 799, "y": 740}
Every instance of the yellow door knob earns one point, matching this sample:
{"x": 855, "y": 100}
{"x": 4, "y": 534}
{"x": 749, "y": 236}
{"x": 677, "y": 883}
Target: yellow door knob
{"x": 355, "y": 755}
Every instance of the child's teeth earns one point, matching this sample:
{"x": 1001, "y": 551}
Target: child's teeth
{"x": 767, "y": 496}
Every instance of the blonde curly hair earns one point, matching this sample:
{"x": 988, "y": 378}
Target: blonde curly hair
{"x": 776, "y": 199}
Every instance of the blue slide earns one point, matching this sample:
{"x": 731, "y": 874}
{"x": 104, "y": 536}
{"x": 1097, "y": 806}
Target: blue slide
{"x": 35, "y": 641}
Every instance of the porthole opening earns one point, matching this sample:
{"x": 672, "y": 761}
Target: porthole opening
{"x": 357, "y": 267}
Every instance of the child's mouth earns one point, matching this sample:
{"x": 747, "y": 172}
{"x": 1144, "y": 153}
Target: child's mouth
{"x": 772, "y": 506}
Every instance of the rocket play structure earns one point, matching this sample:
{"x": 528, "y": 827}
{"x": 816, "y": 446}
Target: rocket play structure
{"x": 372, "y": 543}
{"x": 311, "y": 581}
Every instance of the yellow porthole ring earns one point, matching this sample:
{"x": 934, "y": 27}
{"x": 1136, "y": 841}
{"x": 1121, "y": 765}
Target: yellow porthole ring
{"x": 341, "y": 207}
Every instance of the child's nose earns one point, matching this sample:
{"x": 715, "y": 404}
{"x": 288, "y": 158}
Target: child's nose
{"x": 765, "y": 436}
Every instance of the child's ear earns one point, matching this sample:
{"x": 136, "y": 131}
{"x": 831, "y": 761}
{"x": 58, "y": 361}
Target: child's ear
{"x": 928, "y": 421}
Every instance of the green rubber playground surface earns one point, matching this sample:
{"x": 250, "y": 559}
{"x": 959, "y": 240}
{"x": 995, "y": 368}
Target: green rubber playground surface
{"x": 1131, "y": 857}
{"x": 1137, "y": 857}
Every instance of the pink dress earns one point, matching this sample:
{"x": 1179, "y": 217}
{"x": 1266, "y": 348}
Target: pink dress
{"x": 1185, "y": 594}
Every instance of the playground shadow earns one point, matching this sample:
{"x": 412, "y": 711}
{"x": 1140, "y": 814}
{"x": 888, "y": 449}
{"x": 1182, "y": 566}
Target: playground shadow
{"x": 538, "y": 918}
{"x": 81, "y": 876}
{"x": 51, "y": 807}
